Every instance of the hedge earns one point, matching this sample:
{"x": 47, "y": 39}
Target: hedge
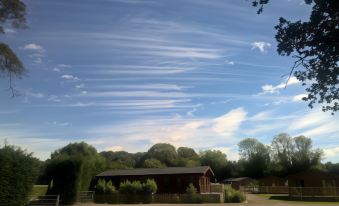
{"x": 18, "y": 172}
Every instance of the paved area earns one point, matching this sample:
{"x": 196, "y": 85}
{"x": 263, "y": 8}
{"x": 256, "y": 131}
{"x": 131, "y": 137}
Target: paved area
{"x": 252, "y": 200}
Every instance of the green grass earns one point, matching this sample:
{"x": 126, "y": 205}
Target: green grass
{"x": 38, "y": 190}
{"x": 282, "y": 197}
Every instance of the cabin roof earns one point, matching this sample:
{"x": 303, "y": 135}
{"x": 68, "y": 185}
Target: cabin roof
{"x": 156, "y": 171}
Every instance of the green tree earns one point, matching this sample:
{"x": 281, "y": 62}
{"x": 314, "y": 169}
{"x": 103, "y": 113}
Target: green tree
{"x": 216, "y": 160}
{"x": 119, "y": 159}
{"x": 293, "y": 155}
{"x": 186, "y": 152}
{"x": 153, "y": 163}
{"x": 72, "y": 168}
{"x": 315, "y": 45}
{"x": 18, "y": 172}
{"x": 254, "y": 157}
{"x": 166, "y": 153}
{"x": 12, "y": 13}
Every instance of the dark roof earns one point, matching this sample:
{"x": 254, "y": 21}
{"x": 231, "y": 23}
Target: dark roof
{"x": 156, "y": 171}
{"x": 236, "y": 179}
{"x": 312, "y": 172}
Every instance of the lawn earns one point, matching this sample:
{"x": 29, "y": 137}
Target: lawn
{"x": 286, "y": 199}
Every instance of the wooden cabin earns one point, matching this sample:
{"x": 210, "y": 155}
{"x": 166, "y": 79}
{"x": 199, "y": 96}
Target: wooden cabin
{"x": 313, "y": 178}
{"x": 169, "y": 180}
{"x": 271, "y": 181}
{"x": 238, "y": 182}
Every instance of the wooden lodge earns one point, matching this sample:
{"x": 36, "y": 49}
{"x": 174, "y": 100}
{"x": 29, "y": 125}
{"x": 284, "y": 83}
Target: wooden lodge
{"x": 313, "y": 184}
{"x": 313, "y": 178}
{"x": 169, "y": 180}
{"x": 271, "y": 181}
{"x": 238, "y": 182}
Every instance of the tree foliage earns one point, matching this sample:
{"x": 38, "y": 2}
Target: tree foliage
{"x": 255, "y": 157}
{"x": 18, "y": 172}
{"x": 166, "y": 153}
{"x": 153, "y": 163}
{"x": 315, "y": 46}
{"x": 71, "y": 170}
{"x": 12, "y": 13}
{"x": 216, "y": 160}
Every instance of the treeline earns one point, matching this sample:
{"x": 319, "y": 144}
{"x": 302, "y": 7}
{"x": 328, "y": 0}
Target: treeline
{"x": 72, "y": 168}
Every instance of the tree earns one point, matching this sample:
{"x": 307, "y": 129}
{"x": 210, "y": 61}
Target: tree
{"x": 18, "y": 172}
{"x": 254, "y": 157}
{"x": 153, "y": 163}
{"x": 12, "y": 13}
{"x": 216, "y": 160}
{"x": 165, "y": 153}
{"x": 293, "y": 155}
{"x": 315, "y": 46}
{"x": 119, "y": 159}
{"x": 186, "y": 152}
{"x": 71, "y": 169}
{"x": 282, "y": 152}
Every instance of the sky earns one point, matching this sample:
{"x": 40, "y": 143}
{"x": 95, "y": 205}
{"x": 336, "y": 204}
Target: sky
{"x": 126, "y": 74}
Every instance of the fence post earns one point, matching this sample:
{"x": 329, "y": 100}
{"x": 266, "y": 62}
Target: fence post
{"x": 57, "y": 201}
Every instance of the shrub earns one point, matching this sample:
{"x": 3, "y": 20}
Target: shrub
{"x": 138, "y": 188}
{"x": 149, "y": 187}
{"x": 18, "y": 172}
{"x": 101, "y": 186}
{"x": 128, "y": 187}
{"x": 191, "y": 190}
{"x": 235, "y": 196}
{"x": 110, "y": 189}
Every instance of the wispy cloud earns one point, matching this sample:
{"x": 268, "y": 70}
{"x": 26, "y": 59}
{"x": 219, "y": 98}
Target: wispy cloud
{"x": 69, "y": 77}
{"x": 34, "y": 47}
{"x": 261, "y": 45}
{"x": 275, "y": 89}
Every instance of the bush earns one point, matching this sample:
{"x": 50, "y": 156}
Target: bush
{"x": 128, "y": 187}
{"x": 110, "y": 189}
{"x": 191, "y": 190}
{"x": 101, "y": 186}
{"x": 138, "y": 188}
{"x": 234, "y": 196}
{"x": 18, "y": 172}
{"x": 149, "y": 187}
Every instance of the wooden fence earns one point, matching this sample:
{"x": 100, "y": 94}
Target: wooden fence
{"x": 86, "y": 196}
{"x": 313, "y": 191}
{"x": 158, "y": 198}
{"x": 265, "y": 189}
{"x": 46, "y": 200}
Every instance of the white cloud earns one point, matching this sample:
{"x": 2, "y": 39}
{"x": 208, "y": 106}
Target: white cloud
{"x": 229, "y": 62}
{"x": 54, "y": 98}
{"x": 64, "y": 66}
{"x": 70, "y": 77}
{"x": 229, "y": 123}
{"x": 230, "y": 153}
{"x": 9, "y": 31}
{"x": 299, "y": 97}
{"x": 34, "y": 47}
{"x": 262, "y": 46}
{"x": 56, "y": 69}
{"x": 271, "y": 89}
{"x": 331, "y": 152}
{"x": 114, "y": 148}
{"x": 314, "y": 118}
{"x": 80, "y": 86}
{"x": 61, "y": 124}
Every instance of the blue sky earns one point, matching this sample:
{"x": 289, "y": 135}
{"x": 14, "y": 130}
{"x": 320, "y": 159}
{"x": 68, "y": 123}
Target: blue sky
{"x": 126, "y": 74}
